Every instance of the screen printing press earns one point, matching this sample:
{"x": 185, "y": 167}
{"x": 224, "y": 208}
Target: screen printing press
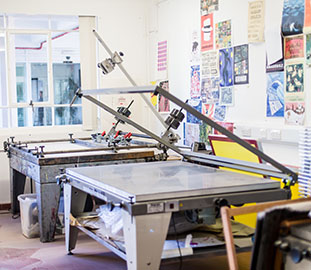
{"x": 43, "y": 160}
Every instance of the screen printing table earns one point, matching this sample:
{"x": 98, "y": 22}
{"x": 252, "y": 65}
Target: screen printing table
{"x": 148, "y": 193}
{"x": 44, "y": 166}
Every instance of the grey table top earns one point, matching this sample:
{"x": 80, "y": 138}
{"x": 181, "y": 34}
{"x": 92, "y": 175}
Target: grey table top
{"x": 167, "y": 180}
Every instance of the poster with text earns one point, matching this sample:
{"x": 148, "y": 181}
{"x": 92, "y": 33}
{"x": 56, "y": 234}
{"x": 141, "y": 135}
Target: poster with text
{"x": 220, "y": 113}
{"x": 195, "y": 48}
{"x": 208, "y": 110}
{"x": 210, "y": 90}
{"x": 191, "y": 133}
{"x": 277, "y": 66}
{"x": 294, "y": 76}
{"x": 226, "y": 67}
{"x": 308, "y": 49}
{"x": 162, "y": 60}
{"x": 226, "y": 96}
{"x": 164, "y": 103}
{"x": 294, "y": 47}
{"x": 294, "y": 113}
{"x": 210, "y": 66}
{"x": 223, "y": 34}
{"x": 293, "y": 17}
{"x": 207, "y": 32}
{"x": 275, "y": 94}
{"x": 195, "y": 87}
{"x": 241, "y": 69}
{"x": 227, "y": 125}
{"x": 256, "y": 21}
{"x": 205, "y": 130}
{"x": 196, "y": 104}
{"x": 209, "y": 6}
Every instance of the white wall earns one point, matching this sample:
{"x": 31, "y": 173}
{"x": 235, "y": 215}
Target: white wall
{"x": 174, "y": 21}
{"x": 122, "y": 24}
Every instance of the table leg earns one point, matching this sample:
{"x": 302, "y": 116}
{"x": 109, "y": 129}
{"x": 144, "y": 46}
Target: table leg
{"x": 74, "y": 202}
{"x": 17, "y": 183}
{"x": 48, "y": 200}
{"x": 144, "y": 239}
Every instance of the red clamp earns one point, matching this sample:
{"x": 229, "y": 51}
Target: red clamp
{"x": 117, "y": 134}
{"x": 104, "y": 133}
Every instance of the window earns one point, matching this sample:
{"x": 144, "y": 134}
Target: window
{"x": 43, "y": 57}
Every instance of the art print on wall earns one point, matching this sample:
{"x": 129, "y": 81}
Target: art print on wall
{"x": 294, "y": 47}
{"x": 294, "y": 78}
{"x": 226, "y": 96}
{"x": 196, "y": 104}
{"x": 226, "y": 67}
{"x": 209, "y": 6}
{"x": 293, "y": 17}
{"x": 205, "y": 130}
{"x": 277, "y": 66}
{"x": 220, "y": 113}
{"x": 227, "y": 125}
{"x": 308, "y": 49}
{"x": 195, "y": 48}
{"x": 223, "y": 34}
{"x": 294, "y": 113}
{"x": 210, "y": 66}
{"x": 162, "y": 60}
{"x": 210, "y": 90}
{"x": 207, "y": 32}
{"x": 275, "y": 94}
{"x": 208, "y": 110}
{"x": 191, "y": 133}
{"x": 164, "y": 103}
{"x": 256, "y": 21}
{"x": 241, "y": 70}
{"x": 195, "y": 87}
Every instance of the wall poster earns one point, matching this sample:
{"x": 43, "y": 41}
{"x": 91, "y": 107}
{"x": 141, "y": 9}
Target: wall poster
{"x": 256, "y": 21}
{"x": 210, "y": 65}
{"x": 209, "y": 6}
{"x": 164, "y": 103}
{"x": 210, "y": 90}
{"x": 294, "y": 113}
{"x": 241, "y": 70}
{"x": 191, "y": 133}
{"x": 195, "y": 48}
{"x": 162, "y": 60}
{"x": 195, "y": 87}
{"x": 220, "y": 112}
{"x": 294, "y": 76}
{"x": 227, "y": 125}
{"x": 226, "y": 67}
{"x": 223, "y": 34}
{"x": 293, "y": 17}
{"x": 207, "y": 32}
{"x": 275, "y": 94}
{"x": 226, "y": 96}
{"x": 196, "y": 104}
{"x": 208, "y": 110}
{"x": 277, "y": 66}
{"x": 205, "y": 130}
{"x": 308, "y": 49}
{"x": 293, "y": 47}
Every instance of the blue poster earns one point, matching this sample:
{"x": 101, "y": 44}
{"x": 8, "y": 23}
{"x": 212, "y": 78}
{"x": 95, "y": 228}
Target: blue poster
{"x": 275, "y": 94}
{"x": 293, "y": 17}
{"x": 220, "y": 113}
{"x": 196, "y": 104}
{"x": 226, "y": 67}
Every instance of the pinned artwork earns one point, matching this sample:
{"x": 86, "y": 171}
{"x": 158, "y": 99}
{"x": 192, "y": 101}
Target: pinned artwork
{"x": 209, "y": 110}
{"x": 196, "y": 104}
{"x": 294, "y": 75}
{"x": 223, "y": 34}
{"x": 195, "y": 48}
{"x": 293, "y": 17}
{"x": 195, "y": 90}
{"x": 162, "y": 60}
{"x": 226, "y": 96}
{"x": 294, "y": 47}
{"x": 164, "y": 103}
{"x": 210, "y": 65}
{"x": 308, "y": 49}
{"x": 225, "y": 67}
{"x": 227, "y": 125}
{"x": 205, "y": 130}
{"x": 275, "y": 94}
{"x": 209, "y": 6}
{"x": 277, "y": 66}
{"x": 207, "y": 32}
{"x": 241, "y": 70}
{"x": 294, "y": 113}
{"x": 210, "y": 90}
{"x": 220, "y": 113}
{"x": 191, "y": 133}
{"x": 256, "y": 21}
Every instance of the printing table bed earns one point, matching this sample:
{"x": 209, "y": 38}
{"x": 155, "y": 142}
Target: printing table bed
{"x": 148, "y": 193}
{"x": 44, "y": 166}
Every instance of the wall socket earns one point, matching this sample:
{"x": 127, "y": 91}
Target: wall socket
{"x": 246, "y": 132}
{"x": 275, "y": 134}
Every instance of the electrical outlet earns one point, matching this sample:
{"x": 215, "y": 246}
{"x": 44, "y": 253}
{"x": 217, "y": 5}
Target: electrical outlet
{"x": 275, "y": 134}
{"x": 262, "y": 133}
{"x": 246, "y": 132}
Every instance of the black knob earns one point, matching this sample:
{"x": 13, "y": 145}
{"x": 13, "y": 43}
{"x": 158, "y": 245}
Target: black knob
{"x": 296, "y": 255}
{"x": 121, "y": 53}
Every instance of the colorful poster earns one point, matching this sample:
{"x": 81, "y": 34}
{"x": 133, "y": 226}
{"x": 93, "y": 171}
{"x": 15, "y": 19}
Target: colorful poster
{"x": 195, "y": 48}
{"x": 256, "y": 21}
{"x": 294, "y": 75}
{"x": 220, "y": 113}
{"x": 164, "y": 103}
{"x": 205, "y": 130}
{"x": 227, "y": 125}
{"x": 225, "y": 67}
{"x": 277, "y": 66}
{"x": 196, "y": 104}
{"x": 210, "y": 90}
{"x": 293, "y": 17}
{"x": 294, "y": 113}
{"x": 207, "y": 32}
{"x": 209, "y": 6}
{"x": 294, "y": 47}
{"x": 223, "y": 34}
{"x": 226, "y": 96}
{"x": 195, "y": 87}
{"x": 162, "y": 60}
{"x": 208, "y": 110}
{"x": 210, "y": 65}
{"x": 275, "y": 94}
{"x": 307, "y": 24}
{"x": 241, "y": 69}
{"x": 191, "y": 133}
{"x": 308, "y": 49}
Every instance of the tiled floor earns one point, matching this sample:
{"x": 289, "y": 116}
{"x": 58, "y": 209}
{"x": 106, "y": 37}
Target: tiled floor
{"x": 18, "y": 252}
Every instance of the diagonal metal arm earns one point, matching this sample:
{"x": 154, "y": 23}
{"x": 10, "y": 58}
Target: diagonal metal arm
{"x": 224, "y": 131}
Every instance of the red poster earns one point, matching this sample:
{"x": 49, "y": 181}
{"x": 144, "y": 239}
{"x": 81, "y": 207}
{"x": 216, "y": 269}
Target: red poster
{"x": 207, "y": 32}
{"x": 307, "y": 25}
{"x": 227, "y": 125}
{"x": 294, "y": 47}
